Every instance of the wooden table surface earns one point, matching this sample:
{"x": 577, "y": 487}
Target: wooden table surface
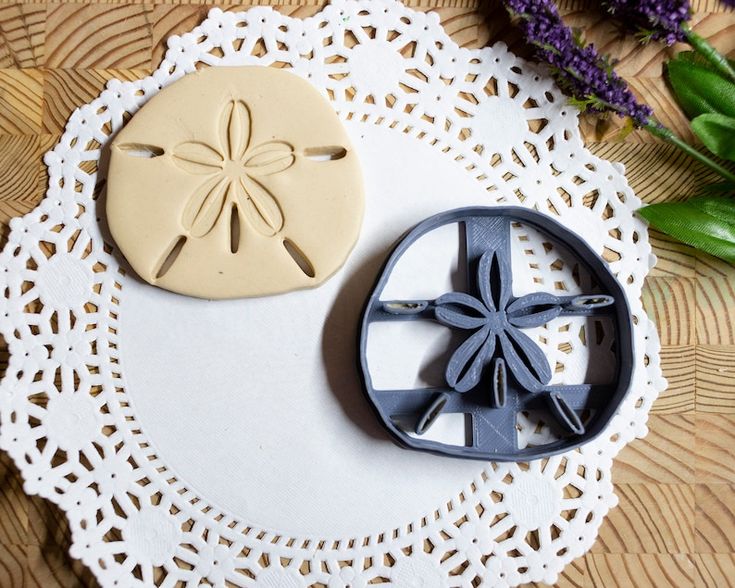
{"x": 675, "y": 525}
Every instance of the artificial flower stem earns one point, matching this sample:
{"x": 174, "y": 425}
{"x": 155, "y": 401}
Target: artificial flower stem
{"x": 670, "y": 137}
{"x": 702, "y": 46}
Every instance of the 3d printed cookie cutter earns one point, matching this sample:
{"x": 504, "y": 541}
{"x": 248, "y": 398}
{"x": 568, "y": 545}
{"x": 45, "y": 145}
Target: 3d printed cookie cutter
{"x": 499, "y": 371}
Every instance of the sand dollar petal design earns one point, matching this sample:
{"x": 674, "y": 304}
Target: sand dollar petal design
{"x": 222, "y": 184}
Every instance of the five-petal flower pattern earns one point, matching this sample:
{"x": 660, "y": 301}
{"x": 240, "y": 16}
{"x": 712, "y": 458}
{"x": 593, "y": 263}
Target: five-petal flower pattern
{"x": 235, "y": 182}
{"x": 231, "y": 169}
{"x": 496, "y": 320}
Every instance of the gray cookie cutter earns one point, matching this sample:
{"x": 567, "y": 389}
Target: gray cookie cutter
{"x": 498, "y": 370}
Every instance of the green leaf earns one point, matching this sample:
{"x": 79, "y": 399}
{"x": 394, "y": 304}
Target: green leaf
{"x": 722, "y": 209}
{"x": 580, "y": 103}
{"x": 706, "y": 223}
{"x": 717, "y": 132}
{"x": 699, "y": 90}
{"x": 697, "y": 59}
{"x": 716, "y": 189}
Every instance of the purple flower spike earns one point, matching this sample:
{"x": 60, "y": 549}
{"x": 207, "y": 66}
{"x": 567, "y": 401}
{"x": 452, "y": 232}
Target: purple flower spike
{"x": 653, "y": 20}
{"x": 579, "y": 70}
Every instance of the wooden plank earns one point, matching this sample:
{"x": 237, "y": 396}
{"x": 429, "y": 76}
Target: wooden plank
{"x": 674, "y": 258}
{"x": 22, "y": 182}
{"x": 708, "y": 266}
{"x": 715, "y": 518}
{"x": 658, "y": 172}
{"x": 21, "y": 101}
{"x": 670, "y": 302}
{"x": 51, "y": 566}
{"x": 65, "y": 89}
{"x": 667, "y": 456}
{"x": 713, "y": 569}
{"x": 676, "y": 364}
{"x": 47, "y": 524}
{"x": 573, "y": 576}
{"x": 467, "y": 26}
{"x": 98, "y": 36}
{"x": 22, "y": 31}
{"x": 650, "y": 518}
{"x": 715, "y": 302}
{"x": 640, "y": 570}
{"x": 13, "y": 506}
{"x": 715, "y": 374}
{"x": 696, "y": 5}
{"x": 715, "y": 442}
{"x": 168, "y": 20}
{"x": 13, "y": 566}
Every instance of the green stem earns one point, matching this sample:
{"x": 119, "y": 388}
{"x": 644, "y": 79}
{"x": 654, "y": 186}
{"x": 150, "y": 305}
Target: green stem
{"x": 718, "y": 61}
{"x": 667, "y": 135}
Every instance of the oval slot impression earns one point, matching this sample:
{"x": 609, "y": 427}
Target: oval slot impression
{"x": 140, "y": 150}
{"x": 564, "y": 413}
{"x": 171, "y": 257}
{"x": 299, "y": 258}
{"x": 432, "y": 413}
{"x": 592, "y": 301}
{"x": 328, "y": 153}
{"x": 234, "y": 229}
{"x": 405, "y": 306}
{"x": 499, "y": 383}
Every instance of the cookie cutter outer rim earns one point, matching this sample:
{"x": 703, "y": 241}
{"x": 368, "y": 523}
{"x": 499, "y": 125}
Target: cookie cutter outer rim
{"x": 600, "y": 270}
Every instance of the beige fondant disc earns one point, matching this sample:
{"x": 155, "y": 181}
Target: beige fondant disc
{"x": 235, "y": 182}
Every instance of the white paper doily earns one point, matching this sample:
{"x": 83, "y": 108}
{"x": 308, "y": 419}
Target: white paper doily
{"x": 149, "y": 418}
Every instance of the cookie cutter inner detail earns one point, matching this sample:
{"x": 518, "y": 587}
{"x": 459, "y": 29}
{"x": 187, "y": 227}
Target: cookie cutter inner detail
{"x": 497, "y": 370}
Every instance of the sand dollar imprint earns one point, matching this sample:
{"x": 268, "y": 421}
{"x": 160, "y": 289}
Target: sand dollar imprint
{"x": 235, "y": 182}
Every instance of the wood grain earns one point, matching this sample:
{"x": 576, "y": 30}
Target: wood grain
{"x": 715, "y": 311}
{"x": 22, "y": 33}
{"x": 714, "y": 569}
{"x": 98, "y": 36}
{"x": 659, "y": 172}
{"x": 670, "y": 303}
{"x": 640, "y": 570}
{"x": 710, "y": 267}
{"x": 715, "y": 373}
{"x": 65, "y": 89}
{"x": 674, "y": 258}
{"x": 170, "y": 20}
{"x": 21, "y": 175}
{"x": 51, "y": 567}
{"x": 13, "y": 565}
{"x": 666, "y": 457}
{"x": 635, "y": 61}
{"x": 21, "y": 98}
{"x": 679, "y": 397}
{"x": 715, "y": 442}
{"x": 674, "y": 525}
{"x": 573, "y": 576}
{"x": 715, "y": 518}
{"x": 650, "y": 518}
{"x": 48, "y": 543}
{"x": 13, "y": 505}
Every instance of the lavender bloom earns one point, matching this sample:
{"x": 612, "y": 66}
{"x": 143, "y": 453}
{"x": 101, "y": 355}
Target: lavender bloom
{"x": 654, "y": 20}
{"x": 578, "y": 69}
{"x": 667, "y": 20}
